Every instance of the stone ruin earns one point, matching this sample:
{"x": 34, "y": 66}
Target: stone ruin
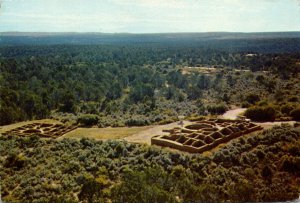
{"x": 41, "y": 129}
{"x": 204, "y": 135}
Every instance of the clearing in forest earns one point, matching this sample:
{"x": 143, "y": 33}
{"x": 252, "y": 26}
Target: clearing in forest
{"x": 203, "y": 70}
{"x": 105, "y": 133}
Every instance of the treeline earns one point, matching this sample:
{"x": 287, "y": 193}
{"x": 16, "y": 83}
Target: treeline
{"x": 260, "y": 168}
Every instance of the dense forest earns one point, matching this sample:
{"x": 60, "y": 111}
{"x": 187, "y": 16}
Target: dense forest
{"x": 143, "y": 83}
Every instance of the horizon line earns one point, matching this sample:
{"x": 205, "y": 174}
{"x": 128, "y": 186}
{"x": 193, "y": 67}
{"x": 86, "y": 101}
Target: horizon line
{"x": 138, "y": 33}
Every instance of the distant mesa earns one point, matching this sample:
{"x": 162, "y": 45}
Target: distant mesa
{"x": 204, "y": 135}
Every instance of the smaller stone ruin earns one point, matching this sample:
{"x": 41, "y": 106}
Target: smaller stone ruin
{"x": 204, "y": 135}
{"x": 41, "y": 129}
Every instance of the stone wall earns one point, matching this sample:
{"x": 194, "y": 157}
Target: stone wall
{"x": 41, "y": 129}
{"x": 204, "y": 135}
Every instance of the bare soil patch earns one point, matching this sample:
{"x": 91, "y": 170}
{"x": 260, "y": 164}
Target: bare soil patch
{"x": 203, "y": 70}
{"x": 234, "y": 113}
{"x": 146, "y": 135}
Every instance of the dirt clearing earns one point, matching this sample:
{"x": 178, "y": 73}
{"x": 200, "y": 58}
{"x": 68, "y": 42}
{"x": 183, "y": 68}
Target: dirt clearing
{"x": 146, "y": 135}
{"x": 234, "y": 113}
{"x": 104, "y": 133}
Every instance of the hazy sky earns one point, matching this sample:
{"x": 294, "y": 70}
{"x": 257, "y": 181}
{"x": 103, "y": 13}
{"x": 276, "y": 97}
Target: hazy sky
{"x": 149, "y": 16}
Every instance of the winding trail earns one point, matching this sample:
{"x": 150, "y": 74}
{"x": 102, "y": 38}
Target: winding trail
{"x": 232, "y": 114}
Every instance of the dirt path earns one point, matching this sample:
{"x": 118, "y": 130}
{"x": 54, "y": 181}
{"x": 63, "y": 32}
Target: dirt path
{"x": 232, "y": 114}
{"x": 268, "y": 125}
{"x": 146, "y": 135}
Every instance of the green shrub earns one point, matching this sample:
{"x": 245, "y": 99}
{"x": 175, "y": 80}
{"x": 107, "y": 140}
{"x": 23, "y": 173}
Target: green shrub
{"x": 167, "y": 121}
{"x": 137, "y": 122}
{"x": 252, "y": 98}
{"x": 295, "y": 114}
{"x": 286, "y": 109}
{"x": 293, "y": 99}
{"x": 88, "y": 119}
{"x": 245, "y": 104}
{"x": 143, "y": 186}
{"x": 267, "y": 172}
{"x": 9, "y": 115}
{"x": 195, "y": 118}
{"x": 15, "y": 160}
{"x": 217, "y": 108}
{"x": 261, "y": 113}
{"x": 290, "y": 164}
{"x": 118, "y": 124}
{"x": 262, "y": 103}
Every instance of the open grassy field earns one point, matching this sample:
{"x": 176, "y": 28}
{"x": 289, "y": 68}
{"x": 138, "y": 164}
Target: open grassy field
{"x": 104, "y": 133}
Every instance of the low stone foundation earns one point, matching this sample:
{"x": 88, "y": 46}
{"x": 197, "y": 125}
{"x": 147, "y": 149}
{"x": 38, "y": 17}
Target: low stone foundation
{"x": 204, "y": 135}
{"x": 42, "y": 130}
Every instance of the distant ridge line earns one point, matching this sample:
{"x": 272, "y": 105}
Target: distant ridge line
{"x": 17, "y": 33}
